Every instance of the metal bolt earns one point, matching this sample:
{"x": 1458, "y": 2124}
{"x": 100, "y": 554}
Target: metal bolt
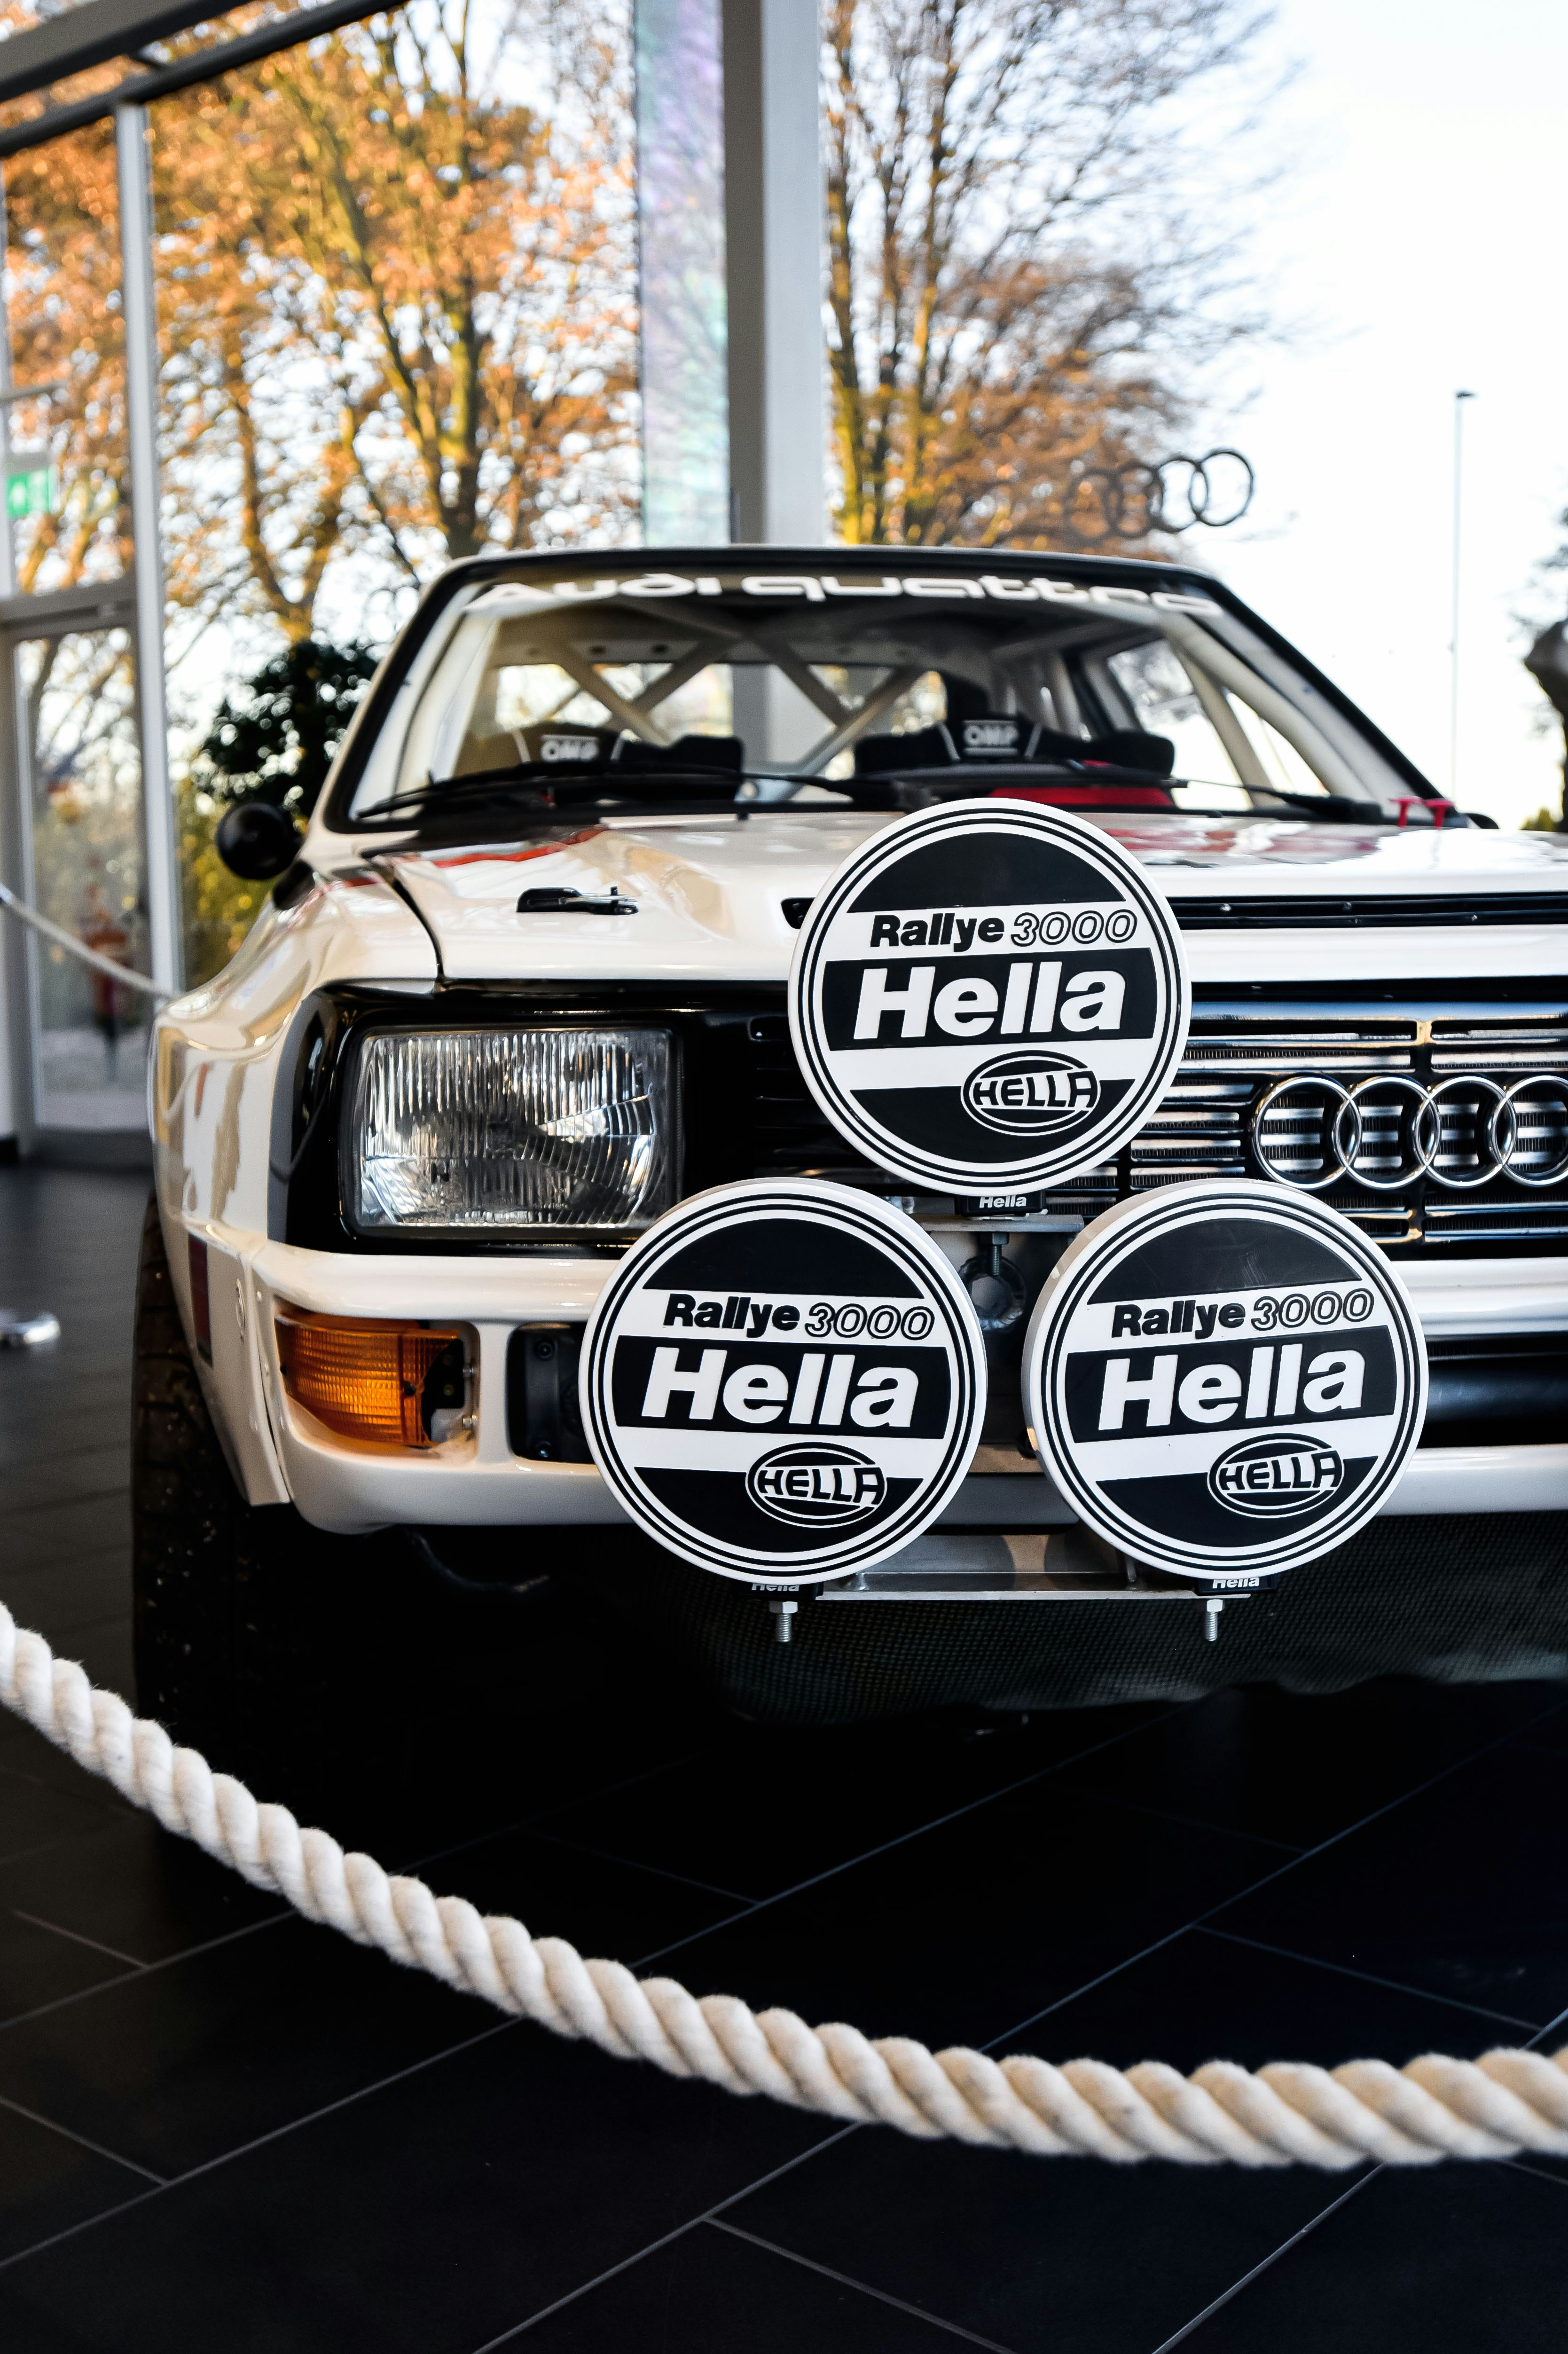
{"x": 1212, "y": 1605}
{"x": 783, "y": 1607}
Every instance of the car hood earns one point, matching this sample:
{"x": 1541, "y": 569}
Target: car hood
{"x": 710, "y": 893}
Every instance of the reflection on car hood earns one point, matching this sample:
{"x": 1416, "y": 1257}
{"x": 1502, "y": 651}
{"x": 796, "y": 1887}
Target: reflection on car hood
{"x": 710, "y": 893}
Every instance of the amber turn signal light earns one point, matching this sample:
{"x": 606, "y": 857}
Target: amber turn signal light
{"x": 368, "y": 1381}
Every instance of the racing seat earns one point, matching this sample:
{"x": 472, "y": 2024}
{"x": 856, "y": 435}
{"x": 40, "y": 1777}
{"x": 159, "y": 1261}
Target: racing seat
{"x": 980, "y": 740}
{"x": 722, "y": 758}
{"x": 1131, "y": 747}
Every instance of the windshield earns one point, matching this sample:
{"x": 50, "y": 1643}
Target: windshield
{"x": 883, "y": 689}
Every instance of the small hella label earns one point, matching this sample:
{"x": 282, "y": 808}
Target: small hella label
{"x": 1276, "y": 1473}
{"x": 816, "y": 1485}
{"x": 1031, "y": 1093}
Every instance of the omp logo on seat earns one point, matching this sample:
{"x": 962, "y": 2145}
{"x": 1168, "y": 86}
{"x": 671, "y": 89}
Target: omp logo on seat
{"x": 815, "y": 1484}
{"x": 1030, "y": 1093}
{"x": 995, "y": 739}
{"x": 1276, "y": 1473}
{"x": 575, "y": 749}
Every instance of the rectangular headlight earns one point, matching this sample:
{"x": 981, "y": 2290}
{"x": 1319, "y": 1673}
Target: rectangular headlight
{"x": 492, "y": 1130}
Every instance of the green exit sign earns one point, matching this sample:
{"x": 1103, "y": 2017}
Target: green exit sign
{"x": 36, "y": 491}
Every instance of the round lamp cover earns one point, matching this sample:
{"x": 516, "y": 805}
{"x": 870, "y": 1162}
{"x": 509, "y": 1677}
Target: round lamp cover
{"x": 1224, "y": 1379}
{"x": 988, "y": 997}
{"x": 783, "y": 1383}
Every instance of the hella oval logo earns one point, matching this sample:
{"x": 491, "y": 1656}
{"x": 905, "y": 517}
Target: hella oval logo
{"x": 1030, "y": 1093}
{"x": 815, "y": 1484}
{"x": 1277, "y": 1472}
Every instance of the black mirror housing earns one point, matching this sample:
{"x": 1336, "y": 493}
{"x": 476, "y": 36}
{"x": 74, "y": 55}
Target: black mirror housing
{"x": 256, "y": 839}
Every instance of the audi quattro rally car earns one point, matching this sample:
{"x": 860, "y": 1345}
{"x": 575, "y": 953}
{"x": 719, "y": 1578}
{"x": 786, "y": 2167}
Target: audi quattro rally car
{"x": 522, "y": 988}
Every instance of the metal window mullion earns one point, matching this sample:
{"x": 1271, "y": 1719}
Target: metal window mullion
{"x": 137, "y": 302}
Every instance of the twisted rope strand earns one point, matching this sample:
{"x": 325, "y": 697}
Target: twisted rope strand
{"x": 1288, "y": 2114}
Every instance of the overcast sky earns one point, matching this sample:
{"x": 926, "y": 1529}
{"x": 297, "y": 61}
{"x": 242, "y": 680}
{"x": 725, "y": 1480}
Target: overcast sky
{"x": 1421, "y": 228}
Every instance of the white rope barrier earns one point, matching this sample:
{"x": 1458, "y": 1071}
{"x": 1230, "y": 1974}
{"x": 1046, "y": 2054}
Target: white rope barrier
{"x": 1287, "y": 2114}
{"x": 120, "y": 972}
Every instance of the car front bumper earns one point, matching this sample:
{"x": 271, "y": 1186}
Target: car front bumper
{"x": 282, "y": 1454}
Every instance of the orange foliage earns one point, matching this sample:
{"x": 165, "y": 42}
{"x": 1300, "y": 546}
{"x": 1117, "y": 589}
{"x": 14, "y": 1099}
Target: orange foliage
{"x": 396, "y": 311}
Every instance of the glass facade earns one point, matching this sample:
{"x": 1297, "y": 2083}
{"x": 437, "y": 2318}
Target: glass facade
{"x": 685, "y": 310}
{"x": 396, "y": 276}
{"x": 76, "y": 699}
{"x": 66, "y": 493}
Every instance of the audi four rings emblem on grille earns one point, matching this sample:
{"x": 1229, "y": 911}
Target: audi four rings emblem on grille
{"x": 1386, "y": 1131}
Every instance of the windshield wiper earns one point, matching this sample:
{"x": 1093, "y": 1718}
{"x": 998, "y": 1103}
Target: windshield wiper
{"x": 555, "y": 785}
{"x": 1330, "y": 808}
{"x": 490, "y": 784}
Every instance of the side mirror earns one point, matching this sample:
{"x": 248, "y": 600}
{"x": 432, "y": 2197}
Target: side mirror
{"x": 255, "y": 840}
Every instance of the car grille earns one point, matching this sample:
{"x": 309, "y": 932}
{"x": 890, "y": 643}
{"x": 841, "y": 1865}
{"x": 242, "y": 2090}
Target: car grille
{"x": 1423, "y": 1176}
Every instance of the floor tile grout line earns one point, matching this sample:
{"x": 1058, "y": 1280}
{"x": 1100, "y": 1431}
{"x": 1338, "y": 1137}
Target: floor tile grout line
{"x": 1075, "y": 1994}
{"x": 1007, "y": 1789}
{"x": 68, "y": 2133}
{"x": 87, "y": 2223}
{"x": 72, "y": 1502}
{"x": 75, "y": 1555}
{"x": 665, "y": 2240}
{"x": 73, "y": 1455}
{"x": 145, "y": 1969}
{"x": 508, "y": 1829}
{"x": 1234, "y": 2290}
{"x": 164, "y": 2184}
{"x": 1192, "y": 1822}
{"x": 65, "y": 1503}
{"x": 1303, "y": 1856}
{"x": 655, "y": 1870}
{"x": 626, "y": 1782}
{"x": 100, "y": 1795}
{"x": 189, "y": 1952}
{"x": 76, "y": 1938}
{"x": 1308, "y": 1855}
{"x": 1201, "y": 1920}
{"x": 936, "y": 1823}
{"x": 1522, "y": 2166}
{"x": 1367, "y": 1978}
{"x": 847, "y": 2280}
{"x": 47, "y": 1847}
{"x": 1550, "y": 2028}
{"x": 95, "y": 1500}
{"x": 363, "y": 2091}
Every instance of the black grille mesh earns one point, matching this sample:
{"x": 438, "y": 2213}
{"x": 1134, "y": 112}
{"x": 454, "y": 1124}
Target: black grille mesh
{"x": 1237, "y": 1051}
{"x": 1457, "y": 1600}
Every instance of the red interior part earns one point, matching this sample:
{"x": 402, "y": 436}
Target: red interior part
{"x": 1122, "y": 797}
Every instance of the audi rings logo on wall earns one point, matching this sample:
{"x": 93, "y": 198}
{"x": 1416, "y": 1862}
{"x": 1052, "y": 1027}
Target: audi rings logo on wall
{"x": 1130, "y": 501}
{"x": 783, "y": 1383}
{"x": 1222, "y": 1381}
{"x": 1461, "y": 1131}
{"x": 988, "y": 995}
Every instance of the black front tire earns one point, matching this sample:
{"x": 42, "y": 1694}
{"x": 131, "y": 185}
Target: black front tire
{"x": 254, "y": 1632}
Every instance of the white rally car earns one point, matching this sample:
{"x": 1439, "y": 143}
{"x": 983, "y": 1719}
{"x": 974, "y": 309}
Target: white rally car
{"x": 522, "y": 988}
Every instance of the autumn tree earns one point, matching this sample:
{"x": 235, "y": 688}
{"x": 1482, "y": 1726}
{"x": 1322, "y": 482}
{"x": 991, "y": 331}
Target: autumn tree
{"x": 395, "y": 283}
{"x": 1020, "y": 286}
{"x": 397, "y": 300}
{"x": 62, "y": 273}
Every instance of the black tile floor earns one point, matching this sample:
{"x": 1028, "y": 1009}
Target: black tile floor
{"x": 223, "y": 2129}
